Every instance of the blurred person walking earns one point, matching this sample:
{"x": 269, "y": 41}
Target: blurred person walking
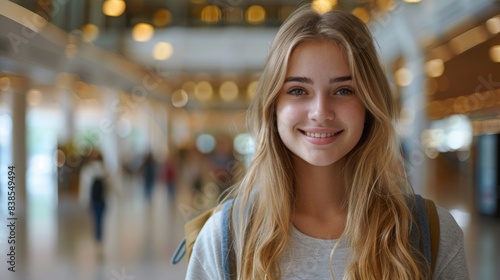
{"x": 149, "y": 175}
{"x": 94, "y": 191}
{"x": 170, "y": 172}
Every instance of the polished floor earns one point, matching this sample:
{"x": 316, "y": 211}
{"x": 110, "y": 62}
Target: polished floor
{"x": 55, "y": 241}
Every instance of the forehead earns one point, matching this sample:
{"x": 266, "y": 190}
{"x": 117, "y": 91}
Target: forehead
{"x": 318, "y": 54}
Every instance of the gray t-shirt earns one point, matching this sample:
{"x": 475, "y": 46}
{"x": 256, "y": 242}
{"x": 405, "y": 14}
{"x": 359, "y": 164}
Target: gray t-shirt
{"x": 309, "y": 258}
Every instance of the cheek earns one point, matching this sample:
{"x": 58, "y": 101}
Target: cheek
{"x": 286, "y": 114}
{"x": 355, "y": 115}
{"x": 286, "y": 119}
{"x": 359, "y": 116}
{"x": 281, "y": 121}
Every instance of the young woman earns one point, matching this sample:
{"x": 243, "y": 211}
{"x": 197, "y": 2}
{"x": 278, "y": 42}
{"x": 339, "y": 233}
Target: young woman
{"x": 324, "y": 196}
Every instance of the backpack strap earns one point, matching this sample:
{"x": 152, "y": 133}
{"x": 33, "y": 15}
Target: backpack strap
{"x": 433, "y": 218}
{"x": 424, "y": 234}
{"x": 191, "y": 231}
{"x": 228, "y": 254}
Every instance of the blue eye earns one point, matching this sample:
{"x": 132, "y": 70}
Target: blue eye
{"x": 344, "y": 91}
{"x": 296, "y": 91}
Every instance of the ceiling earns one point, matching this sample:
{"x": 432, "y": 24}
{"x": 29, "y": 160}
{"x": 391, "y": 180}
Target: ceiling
{"x": 470, "y": 83}
{"x": 106, "y": 61}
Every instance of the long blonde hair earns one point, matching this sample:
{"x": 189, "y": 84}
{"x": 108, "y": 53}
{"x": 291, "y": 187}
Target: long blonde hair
{"x": 378, "y": 218}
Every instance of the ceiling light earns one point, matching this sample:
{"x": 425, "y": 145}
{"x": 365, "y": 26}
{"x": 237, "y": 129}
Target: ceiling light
{"x": 323, "y": 6}
{"x": 179, "y": 98}
{"x": 211, "y": 14}
{"x": 403, "y": 77}
{"x": 90, "y": 32}
{"x": 162, "y": 18}
{"x": 495, "y": 53}
{"x": 113, "y": 8}
{"x": 255, "y": 14}
{"x": 228, "y": 91}
{"x": 434, "y": 68}
{"x": 203, "y": 91}
{"x": 142, "y": 32}
{"x": 163, "y": 51}
{"x": 493, "y": 25}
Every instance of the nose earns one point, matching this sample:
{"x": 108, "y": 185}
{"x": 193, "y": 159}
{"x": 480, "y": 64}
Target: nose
{"x": 321, "y": 109}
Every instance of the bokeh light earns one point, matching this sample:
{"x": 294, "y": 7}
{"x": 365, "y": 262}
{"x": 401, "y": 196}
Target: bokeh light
{"x": 211, "y": 14}
{"x": 162, "y": 18}
{"x": 228, "y": 91}
{"x": 205, "y": 143}
{"x": 163, "y": 51}
{"x": 113, "y": 8}
{"x": 255, "y": 14}
{"x": 179, "y": 98}
{"x": 142, "y": 32}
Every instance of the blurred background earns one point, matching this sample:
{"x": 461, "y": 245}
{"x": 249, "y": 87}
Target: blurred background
{"x": 125, "y": 119}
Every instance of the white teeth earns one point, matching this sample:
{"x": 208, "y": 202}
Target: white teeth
{"x": 319, "y": 135}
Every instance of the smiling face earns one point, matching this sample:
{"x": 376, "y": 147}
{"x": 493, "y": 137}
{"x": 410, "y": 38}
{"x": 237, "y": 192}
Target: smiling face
{"x": 320, "y": 118}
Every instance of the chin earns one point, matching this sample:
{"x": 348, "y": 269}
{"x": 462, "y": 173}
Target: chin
{"x": 321, "y": 163}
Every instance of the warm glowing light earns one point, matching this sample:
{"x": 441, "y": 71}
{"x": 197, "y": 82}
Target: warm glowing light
{"x": 90, "y": 32}
{"x": 412, "y": 1}
{"x": 113, "y": 8}
{"x": 142, "y": 32}
{"x": 163, "y": 51}
{"x": 255, "y": 14}
{"x": 323, "y": 6}
{"x": 34, "y": 97}
{"x": 162, "y": 18}
{"x": 468, "y": 39}
{"x": 179, "y": 98}
{"x": 203, "y": 91}
{"x": 4, "y": 84}
{"x": 211, "y": 14}
{"x": 493, "y": 25}
{"x": 434, "y": 68}
{"x": 403, "y": 77}
{"x": 362, "y": 14}
{"x": 228, "y": 91}
{"x": 495, "y": 53}
{"x": 388, "y": 5}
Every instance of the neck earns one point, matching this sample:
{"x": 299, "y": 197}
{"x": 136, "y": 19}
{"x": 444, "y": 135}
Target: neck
{"x": 319, "y": 191}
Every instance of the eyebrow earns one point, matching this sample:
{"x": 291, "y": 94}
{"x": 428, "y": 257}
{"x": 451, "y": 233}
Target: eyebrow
{"x": 309, "y": 81}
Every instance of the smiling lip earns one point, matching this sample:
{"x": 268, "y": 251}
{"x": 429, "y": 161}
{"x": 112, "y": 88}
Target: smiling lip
{"x": 321, "y": 137}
